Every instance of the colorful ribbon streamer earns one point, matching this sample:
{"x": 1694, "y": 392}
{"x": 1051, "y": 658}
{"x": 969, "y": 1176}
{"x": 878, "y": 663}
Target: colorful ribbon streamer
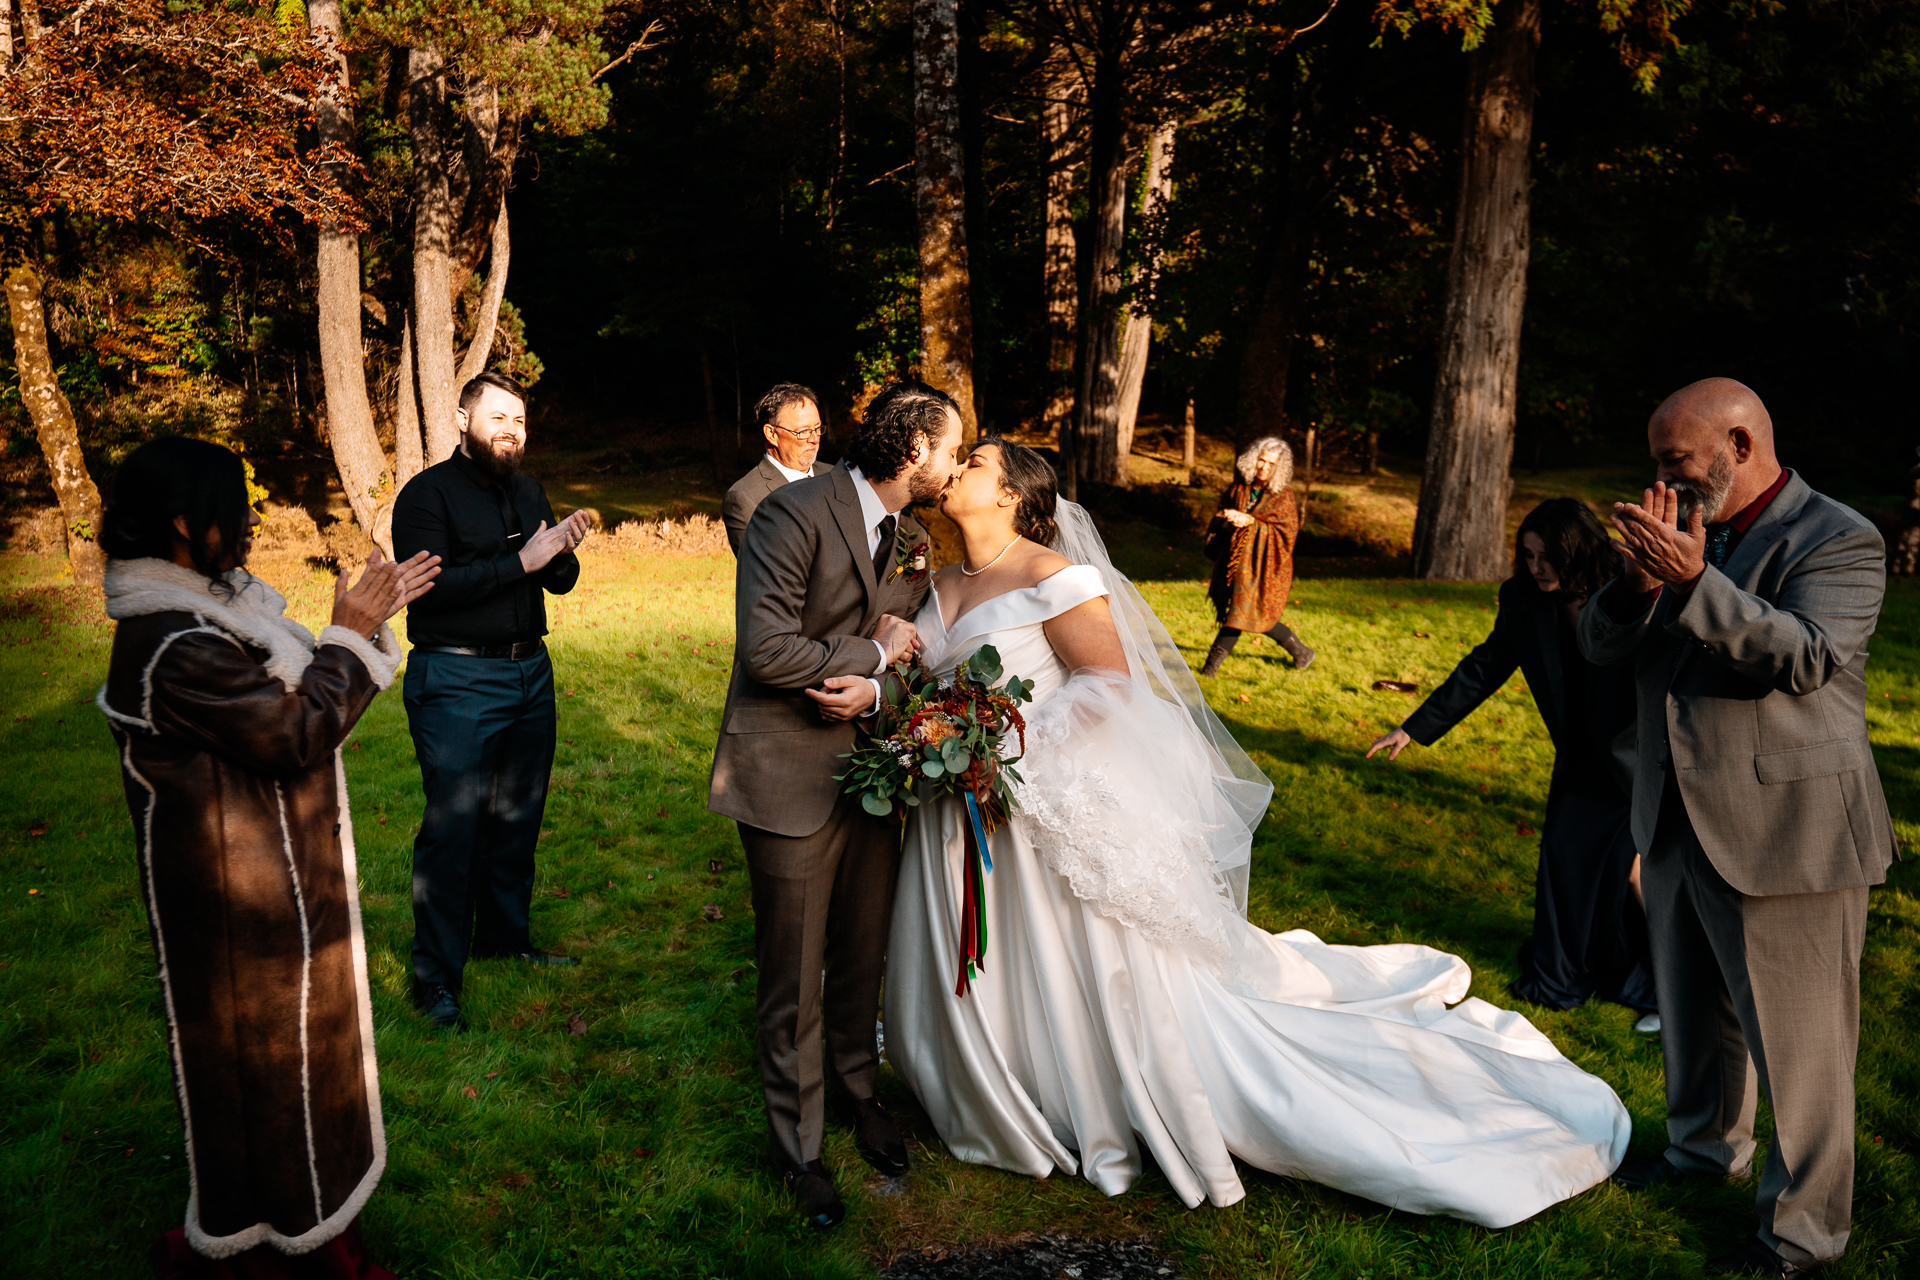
{"x": 976, "y": 866}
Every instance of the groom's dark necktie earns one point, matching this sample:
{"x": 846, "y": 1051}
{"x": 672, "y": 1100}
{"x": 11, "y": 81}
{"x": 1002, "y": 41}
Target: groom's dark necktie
{"x": 883, "y": 551}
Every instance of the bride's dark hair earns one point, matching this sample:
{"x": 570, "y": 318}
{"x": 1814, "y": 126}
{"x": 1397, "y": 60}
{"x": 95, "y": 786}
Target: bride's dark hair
{"x": 1026, "y": 475}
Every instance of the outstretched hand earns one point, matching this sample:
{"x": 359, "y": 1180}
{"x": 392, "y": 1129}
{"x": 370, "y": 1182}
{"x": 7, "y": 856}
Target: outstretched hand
{"x": 1392, "y": 743}
{"x": 1655, "y": 542}
{"x": 384, "y": 589}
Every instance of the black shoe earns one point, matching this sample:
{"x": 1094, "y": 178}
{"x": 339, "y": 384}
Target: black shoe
{"x": 1302, "y": 656}
{"x": 812, "y": 1188}
{"x": 534, "y": 956}
{"x": 1222, "y": 647}
{"x": 436, "y": 1001}
{"x": 1756, "y": 1258}
{"x": 878, "y": 1138}
{"x": 1648, "y": 1172}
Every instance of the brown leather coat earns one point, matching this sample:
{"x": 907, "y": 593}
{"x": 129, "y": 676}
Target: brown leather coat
{"x": 229, "y": 718}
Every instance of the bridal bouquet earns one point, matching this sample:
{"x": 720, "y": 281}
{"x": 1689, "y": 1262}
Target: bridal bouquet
{"x": 952, "y": 735}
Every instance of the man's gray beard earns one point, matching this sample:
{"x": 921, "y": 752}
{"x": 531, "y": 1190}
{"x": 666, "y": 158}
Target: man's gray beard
{"x": 1709, "y": 494}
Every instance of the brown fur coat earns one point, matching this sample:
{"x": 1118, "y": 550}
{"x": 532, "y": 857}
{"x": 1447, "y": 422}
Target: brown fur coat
{"x": 229, "y": 718}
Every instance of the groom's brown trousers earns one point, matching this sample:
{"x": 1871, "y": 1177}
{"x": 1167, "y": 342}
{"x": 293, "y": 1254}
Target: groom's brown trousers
{"x": 820, "y": 902}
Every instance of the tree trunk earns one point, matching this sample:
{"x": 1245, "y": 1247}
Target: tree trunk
{"x": 1139, "y": 336}
{"x": 53, "y": 423}
{"x": 939, "y": 171}
{"x": 1186, "y": 448}
{"x": 1097, "y": 411}
{"x": 6, "y": 33}
{"x": 343, "y": 373}
{"x": 1061, "y": 260}
{"x": 475, "y": 362}
{"x": 1461, "y": 529}
{"x": 433, "y": 212}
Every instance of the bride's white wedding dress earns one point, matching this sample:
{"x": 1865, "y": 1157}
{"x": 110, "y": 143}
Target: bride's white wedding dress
{"x": 1125, "y": 1003}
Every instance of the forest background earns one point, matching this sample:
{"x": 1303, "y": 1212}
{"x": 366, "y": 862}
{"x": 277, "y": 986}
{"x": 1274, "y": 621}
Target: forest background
{"x": 710, "y": 197}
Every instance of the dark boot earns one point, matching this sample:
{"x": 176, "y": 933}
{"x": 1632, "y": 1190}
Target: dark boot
{"x": 1282, "y": 635}
{"x": 1222, "y": 646}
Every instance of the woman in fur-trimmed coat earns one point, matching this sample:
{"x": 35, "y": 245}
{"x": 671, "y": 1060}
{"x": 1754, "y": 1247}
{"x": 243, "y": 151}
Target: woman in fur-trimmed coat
{"x": 1251, "y": 544}
{"x": 229, "y": 717}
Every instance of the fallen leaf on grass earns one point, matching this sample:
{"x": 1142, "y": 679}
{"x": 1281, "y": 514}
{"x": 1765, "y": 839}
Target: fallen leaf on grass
{"x": 661, "y": 814}
{"x": 735, "y": 975}
{"x": 561, "y": 892}
{"x": 515, "y": 1180}
{"x": 713, "y": 865}
{"x": 470, "y": 1092}
{"x": 1246, "y": 697}
{"x": 1421, "y": 635}
{"x": 1394, "y": 686}
{"x": 576, "y": 1025}
{"x": 712, "y": 911}
{"x": 37, "y": 829}
{"x": 355, "y": 746}
{"x": 1526, "y": 830}
{"x": 645, "y": 1152}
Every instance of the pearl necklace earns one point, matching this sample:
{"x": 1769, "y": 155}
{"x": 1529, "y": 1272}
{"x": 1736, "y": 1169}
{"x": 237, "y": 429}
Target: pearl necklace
{"x": 974, "y": 573}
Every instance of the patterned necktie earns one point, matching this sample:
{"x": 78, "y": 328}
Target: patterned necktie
{"x": 1719, "y": 545}
{"x": 883, "y": 551}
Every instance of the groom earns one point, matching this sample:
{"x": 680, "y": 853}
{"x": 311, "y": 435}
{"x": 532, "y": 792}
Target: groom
{"x": 820, "y": 610}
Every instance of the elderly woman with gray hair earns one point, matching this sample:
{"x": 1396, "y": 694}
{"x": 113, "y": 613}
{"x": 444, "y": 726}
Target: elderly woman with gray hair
{"x": 1251, "y": 544}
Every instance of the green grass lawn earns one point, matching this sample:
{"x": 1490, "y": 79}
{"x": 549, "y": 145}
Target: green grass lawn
{"x": 521, "y": 1150}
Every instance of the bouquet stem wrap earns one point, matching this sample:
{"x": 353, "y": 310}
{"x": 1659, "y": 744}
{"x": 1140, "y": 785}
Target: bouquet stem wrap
{"x": 976, "y": 865}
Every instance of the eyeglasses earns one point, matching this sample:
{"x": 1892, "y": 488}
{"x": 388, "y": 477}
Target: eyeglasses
{"x": 811, "y": 433}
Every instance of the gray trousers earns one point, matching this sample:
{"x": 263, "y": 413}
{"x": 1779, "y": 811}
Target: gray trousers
{"x": 1758, "y": 991}
{"x": 820, "y": 902}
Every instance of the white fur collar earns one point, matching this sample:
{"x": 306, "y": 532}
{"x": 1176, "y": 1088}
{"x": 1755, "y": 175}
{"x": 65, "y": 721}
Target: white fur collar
{"x": 255, "y": 613}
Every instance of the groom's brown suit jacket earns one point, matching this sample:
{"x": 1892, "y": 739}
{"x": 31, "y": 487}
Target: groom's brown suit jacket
{"x": 806, "y": 602}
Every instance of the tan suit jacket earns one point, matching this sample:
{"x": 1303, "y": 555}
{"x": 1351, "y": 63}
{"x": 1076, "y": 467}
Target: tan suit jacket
{"x": 1754, "y": 688}
{"x": 748, "y": 492}
{"x": 806, "y": 601}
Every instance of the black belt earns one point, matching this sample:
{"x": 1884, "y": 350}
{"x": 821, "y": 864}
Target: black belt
{"x": 516, "y": 651}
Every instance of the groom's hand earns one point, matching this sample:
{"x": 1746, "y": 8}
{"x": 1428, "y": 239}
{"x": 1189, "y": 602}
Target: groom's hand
{"x": 897, "y": 636}
{"x": 843, "y": 697}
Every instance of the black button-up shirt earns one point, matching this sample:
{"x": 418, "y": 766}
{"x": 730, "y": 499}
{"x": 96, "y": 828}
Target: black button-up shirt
{"x": 477, "y": 524}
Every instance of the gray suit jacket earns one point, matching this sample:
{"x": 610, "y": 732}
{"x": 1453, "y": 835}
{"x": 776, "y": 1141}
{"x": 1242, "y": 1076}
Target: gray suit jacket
{"x": 1754, "y": 686}
{"x": 806, "y": 601}
{"x": 737, "y": 508}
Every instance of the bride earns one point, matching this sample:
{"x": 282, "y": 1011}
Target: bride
{"x": 1126, "y": 1007}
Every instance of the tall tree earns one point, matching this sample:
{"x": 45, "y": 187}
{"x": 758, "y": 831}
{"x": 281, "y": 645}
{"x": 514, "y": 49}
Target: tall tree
{"x": 135, "y": 115}
{"x": 939, "y": 181}
{"x": 1059, "y": 106}
{"x": 1460, "y": 531}
{"x": 1157, "y": 196}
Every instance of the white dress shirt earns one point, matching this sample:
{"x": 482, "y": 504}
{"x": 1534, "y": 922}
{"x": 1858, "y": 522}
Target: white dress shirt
{"x": 786, "y": 470}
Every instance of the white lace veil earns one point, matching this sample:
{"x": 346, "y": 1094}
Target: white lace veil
{"x": 1240, "y": 791}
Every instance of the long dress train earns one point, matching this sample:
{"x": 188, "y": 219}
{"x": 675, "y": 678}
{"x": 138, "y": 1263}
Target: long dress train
{"x": 1087, "y": 1038}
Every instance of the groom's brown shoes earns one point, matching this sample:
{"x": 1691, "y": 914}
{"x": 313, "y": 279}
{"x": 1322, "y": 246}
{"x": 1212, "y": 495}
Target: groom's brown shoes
{"x": 878, "y": 1138}
{"x": 812, "y": 1188}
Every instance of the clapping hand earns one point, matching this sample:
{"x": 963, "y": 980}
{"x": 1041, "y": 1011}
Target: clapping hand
{"x": 384, "y": 589}
{"x": 547, "y": 543}
{"x": 1655, "y": 544}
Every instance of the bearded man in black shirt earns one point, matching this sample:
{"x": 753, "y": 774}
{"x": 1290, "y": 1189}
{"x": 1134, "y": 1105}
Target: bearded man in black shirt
{"x": 479, "y": 691}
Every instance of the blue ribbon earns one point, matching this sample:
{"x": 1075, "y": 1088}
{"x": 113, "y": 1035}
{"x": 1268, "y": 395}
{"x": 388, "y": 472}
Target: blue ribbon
{"x": 979, "y": 832}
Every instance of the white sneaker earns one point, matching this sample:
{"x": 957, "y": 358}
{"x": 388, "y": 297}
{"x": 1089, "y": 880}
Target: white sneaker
{"x": 1650, "y": 1024}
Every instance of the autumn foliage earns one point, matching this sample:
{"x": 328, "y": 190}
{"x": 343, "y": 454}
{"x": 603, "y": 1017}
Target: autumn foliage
{"x": 126, "y": 111}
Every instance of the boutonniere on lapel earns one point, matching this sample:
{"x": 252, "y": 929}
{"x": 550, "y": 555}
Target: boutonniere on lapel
{"x": 911, "y": 556}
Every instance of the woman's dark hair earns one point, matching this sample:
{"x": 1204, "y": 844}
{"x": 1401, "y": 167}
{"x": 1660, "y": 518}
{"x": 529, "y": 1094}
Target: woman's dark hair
{"x": 1577, "y": 546}
{"x": 1026, "y": 475}
{"x": 175, "y": 476}
{"x": 903, "y": 413}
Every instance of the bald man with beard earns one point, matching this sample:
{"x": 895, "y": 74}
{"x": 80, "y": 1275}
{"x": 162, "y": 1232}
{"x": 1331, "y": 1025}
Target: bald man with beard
{"x": 1745, "y": 602}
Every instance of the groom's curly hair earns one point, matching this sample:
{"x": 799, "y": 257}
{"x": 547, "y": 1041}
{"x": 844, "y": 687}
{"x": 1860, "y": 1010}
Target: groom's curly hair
{"x": 903, "y": 413}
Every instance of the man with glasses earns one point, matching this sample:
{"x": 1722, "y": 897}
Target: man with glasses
{"x": 789, "y": 417}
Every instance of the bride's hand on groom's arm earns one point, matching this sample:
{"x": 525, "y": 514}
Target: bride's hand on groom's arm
{"x": 897, "y": 636}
